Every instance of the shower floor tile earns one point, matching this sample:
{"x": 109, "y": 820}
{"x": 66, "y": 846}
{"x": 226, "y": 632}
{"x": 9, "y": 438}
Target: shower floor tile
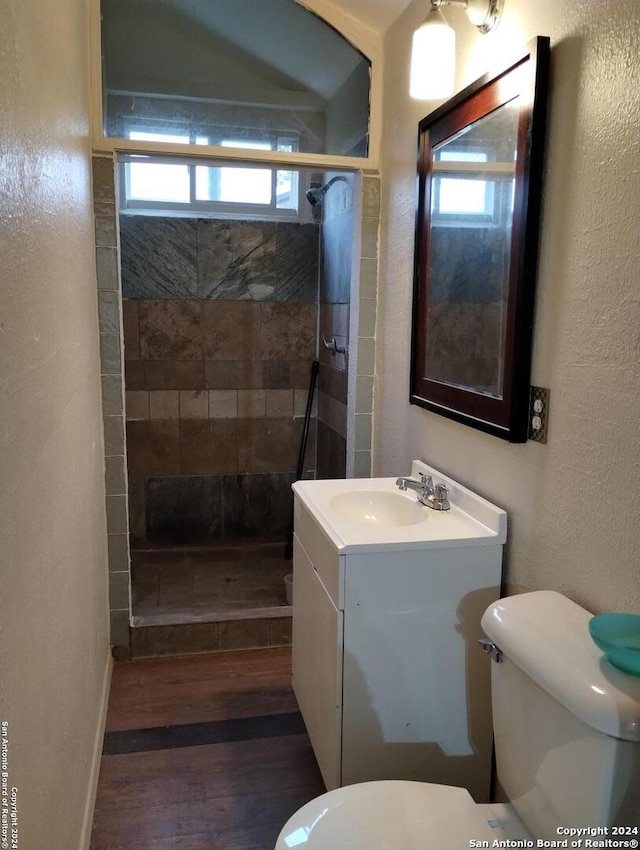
{"x": 199, "y": 591}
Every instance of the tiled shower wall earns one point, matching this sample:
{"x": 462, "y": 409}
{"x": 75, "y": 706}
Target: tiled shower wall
{"x": 335, "y": 294}
{"x": 104, "y": 207}
{"x": 220, "y": 332}
{"x": 348, "y": 297}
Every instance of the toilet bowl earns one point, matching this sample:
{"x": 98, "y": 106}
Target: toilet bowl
{"x": 567, "y": 735}
{"x": 385, "y": 815}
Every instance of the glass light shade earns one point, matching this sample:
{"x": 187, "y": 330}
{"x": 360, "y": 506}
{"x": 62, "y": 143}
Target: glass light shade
{"x": 433, "y": 59}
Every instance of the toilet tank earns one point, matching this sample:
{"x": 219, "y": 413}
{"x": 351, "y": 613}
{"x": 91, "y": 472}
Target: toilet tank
{"x": 566, "y": 722}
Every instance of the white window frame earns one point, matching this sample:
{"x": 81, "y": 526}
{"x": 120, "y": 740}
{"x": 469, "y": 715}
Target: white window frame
{"x": 212, "y": 209}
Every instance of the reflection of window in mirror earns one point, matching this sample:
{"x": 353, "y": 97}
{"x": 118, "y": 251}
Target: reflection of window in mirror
{"x": 461, "y": 195}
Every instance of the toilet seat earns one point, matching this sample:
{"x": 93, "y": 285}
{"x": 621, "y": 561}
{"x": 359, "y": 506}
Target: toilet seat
{"x": 387, "y": 815}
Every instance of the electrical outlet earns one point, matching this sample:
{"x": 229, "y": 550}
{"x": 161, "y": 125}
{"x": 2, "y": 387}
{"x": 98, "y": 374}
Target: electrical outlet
{"x": 538, "y": 414}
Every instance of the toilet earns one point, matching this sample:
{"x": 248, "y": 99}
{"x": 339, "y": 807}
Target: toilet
{"x": 567, "y": 741}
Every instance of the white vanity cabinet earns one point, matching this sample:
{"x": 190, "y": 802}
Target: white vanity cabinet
{"x": 386, "y": 667}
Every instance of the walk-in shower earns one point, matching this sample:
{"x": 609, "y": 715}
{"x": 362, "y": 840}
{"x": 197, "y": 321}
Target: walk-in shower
{"x": 221, "y": 319}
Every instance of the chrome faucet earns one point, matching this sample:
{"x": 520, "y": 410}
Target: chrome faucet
{"x": 435, "y": 497}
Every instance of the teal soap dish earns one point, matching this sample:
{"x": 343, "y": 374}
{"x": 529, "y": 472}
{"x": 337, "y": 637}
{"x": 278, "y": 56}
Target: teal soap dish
{"x": 618, "y": 636}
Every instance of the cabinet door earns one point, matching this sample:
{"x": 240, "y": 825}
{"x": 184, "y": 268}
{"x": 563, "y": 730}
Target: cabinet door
{"x": 317, "y": 664}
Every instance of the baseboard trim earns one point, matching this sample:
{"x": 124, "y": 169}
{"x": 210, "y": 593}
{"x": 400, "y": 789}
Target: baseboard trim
{"x": 87, "y": 823}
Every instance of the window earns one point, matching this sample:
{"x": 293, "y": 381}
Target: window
{"x": 189, "y": 186}
{"x": 233, "y": 69}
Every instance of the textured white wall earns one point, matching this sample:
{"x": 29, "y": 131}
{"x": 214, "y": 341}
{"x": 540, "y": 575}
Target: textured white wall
{"x": 53, "y": 595}
{"x": 573, "y": 504}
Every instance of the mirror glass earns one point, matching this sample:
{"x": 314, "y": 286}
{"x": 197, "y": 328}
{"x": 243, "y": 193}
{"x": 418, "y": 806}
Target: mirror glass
{"x": 479, "y": 189}
{"x": 470, "y": 243}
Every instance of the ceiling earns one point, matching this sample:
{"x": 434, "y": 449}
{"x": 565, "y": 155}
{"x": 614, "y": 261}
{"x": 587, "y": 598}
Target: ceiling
{"x": 377, "y": 14}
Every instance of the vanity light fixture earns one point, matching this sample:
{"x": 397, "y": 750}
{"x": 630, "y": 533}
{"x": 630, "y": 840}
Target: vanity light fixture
{"x": 433, "y": 55}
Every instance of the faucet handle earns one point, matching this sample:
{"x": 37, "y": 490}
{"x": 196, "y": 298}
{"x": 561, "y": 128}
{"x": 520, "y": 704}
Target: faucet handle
{"x": 441, "y": 491}
{"x": 426, "y": 480}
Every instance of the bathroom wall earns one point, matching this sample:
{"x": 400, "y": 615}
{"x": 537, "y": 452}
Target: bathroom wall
{"x": 220, "y": 330}
{"x": 335, "y": 295}
{"x": 55, "y": 660}
{"x": 572, "y": 503}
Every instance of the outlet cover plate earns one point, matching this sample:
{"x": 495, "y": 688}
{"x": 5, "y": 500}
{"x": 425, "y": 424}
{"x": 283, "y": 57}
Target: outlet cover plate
{"x": 538, "y": 414}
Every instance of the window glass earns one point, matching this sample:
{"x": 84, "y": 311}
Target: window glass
{"x": 191, "y": 185}
{"x": 247, "y": 71}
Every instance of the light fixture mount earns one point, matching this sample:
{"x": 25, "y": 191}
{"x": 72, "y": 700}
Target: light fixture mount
{"x": 483, "y": 14}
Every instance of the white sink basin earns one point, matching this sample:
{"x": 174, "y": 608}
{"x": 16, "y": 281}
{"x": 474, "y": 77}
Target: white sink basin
{"x": 378, "y": 508}
{"x": 364, "y": 514}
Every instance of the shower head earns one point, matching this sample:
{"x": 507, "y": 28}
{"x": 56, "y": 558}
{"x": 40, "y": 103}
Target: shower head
{"x": 316, "y": 196}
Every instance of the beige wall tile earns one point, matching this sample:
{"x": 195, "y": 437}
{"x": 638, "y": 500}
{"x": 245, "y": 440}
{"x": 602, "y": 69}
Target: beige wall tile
{"x": 110, "y": 354}
{"x": 131, "y": 329}
{"x": 118, "y": 591}
{"x": 113, "y": 435}
{"x": 109, "y": 312}
{"x": 134, "y": 374}
{"x": 194, "y": 404}
{"x": 170, "y": 330}
{"x": 248, "y": 374}
{"x": 107, "y": 269}
{"x": 300, "y": 374}
{"x": 137, "y": 404}
{"x": 116, "y": 514}
{"x": 208, "y": 447}
{"x": 368, "y": 278}
{"x": 288, "y": 331}
{"x": 267, "y": 445}
{"x": 219, "y": 374}
{"x": 223, "y": 404}
{"x": 231, "y": 330}
{"x": 251, "y": 403}
{"x": 104, "y": 207}
{"x": 164, "y": 404}
{"x": 333, "y": 413}
{"x": 364, "y": 394}
{"x": 362, "y": 465}
{"x": 300, "y": 403}
{"x": 112, "y": 404}
{"x": 114, "y": 476}
{"x": 153, "y": 447}
{"x": 367, "y": 317}
{"x": 118, "y": 552}
{"x": 120, "y": 628}
{"x": 279, "y": 402}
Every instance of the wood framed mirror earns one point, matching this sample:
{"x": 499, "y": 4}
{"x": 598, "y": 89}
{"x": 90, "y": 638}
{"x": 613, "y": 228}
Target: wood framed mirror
{"x": 480, "y": 159}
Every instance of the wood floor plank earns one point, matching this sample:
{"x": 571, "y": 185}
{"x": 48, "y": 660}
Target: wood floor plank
{"x": 235, "y": 820}
{"x": 231, "y": 795}
{"x": 171, "y": 691}
{"x": 142, "y": 779}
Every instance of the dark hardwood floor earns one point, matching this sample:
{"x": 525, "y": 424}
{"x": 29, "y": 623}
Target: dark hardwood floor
{"x": 202, "y": 753}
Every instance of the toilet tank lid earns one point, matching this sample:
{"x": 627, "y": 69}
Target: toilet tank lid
{"x": 547, "y": 636}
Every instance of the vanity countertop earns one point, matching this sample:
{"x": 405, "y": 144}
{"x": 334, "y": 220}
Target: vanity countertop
{"x": 370, "y": 514}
